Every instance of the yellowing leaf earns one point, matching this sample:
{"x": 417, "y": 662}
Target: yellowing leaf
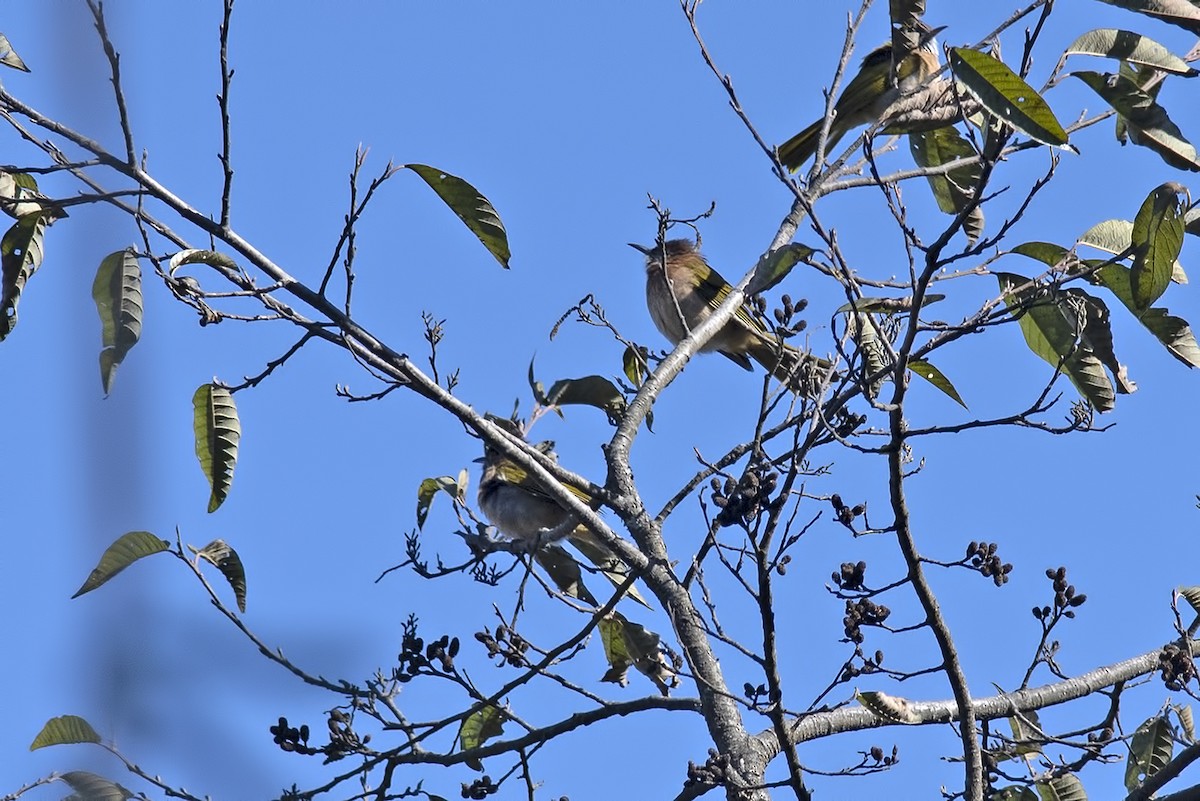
{"x": 121, "y": 554}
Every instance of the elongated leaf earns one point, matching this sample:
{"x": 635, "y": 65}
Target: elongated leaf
{"x": 217, "y": 430}
{"x": 1062, "y": 788}
{"x": 886, "y": 305}
{"x": 1048, "y": 253}
{"x": 219, "y": 554}
{"x": 471, "y": 207}
{"x": 1192, "y": 596}
{"x": 591, "y": 390}
{"x": 1175, "y": 12}
{"x": 635, "y": 365}
{"x": 1186, "y": 722}
{"x": 1157, "y": 240}
{"x": 1014, "y": 793}
{"x": 955, "y": 189}
{"x": 9, "y": 57}
{"x": 1147, "y": 122}
{"x": 64, "y": 730}
{"x": 20, "y": 257}
{"x": 775, "y": 267}
{"x": 1131, "y": 47}
{"x": 1116, "y": 237}
{"x": 121, "y": 554}
{"x": 1191, "y": 221}
{"x": 1050, "y": 326}
{"x": 1002, "y": 92}
{"x": 1174, "y": 332}
{"x": 90, "y": 787}
{"x": 479, "y": 727}
{"x": 564, "y": 570}
{"x": 1149, "y": 751}
{"x": 117, "y": 291}
{"x": 456, "y": 488}
{"x": 631, "y": 644}
{"x": 1027, "y": 734}
{"x": 210, "y": 257}
{"x": 19, "y": 196}
{"x": 935, "y": 376}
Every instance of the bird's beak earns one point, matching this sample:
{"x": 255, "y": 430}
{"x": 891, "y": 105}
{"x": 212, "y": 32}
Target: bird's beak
{"x": 931, "y": 34}
{"x": 645, "y": 251}
{"x": 480, "y": 460}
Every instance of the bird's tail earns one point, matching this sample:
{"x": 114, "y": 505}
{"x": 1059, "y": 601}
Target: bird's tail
{"x": 801, "y": 147}
{"x": 802, "y": 372}
{"x": 605, "y": 560}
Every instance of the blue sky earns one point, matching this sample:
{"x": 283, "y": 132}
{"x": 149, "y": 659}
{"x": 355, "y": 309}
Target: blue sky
{"x": 565, "y": 116}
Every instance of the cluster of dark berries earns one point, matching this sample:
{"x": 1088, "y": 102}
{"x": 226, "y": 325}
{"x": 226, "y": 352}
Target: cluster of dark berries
{"x": 744, "y": 500}
{"x": 879, "y": 758}
{"x": 846, "y": 514}
{"x": 480, "y": 788}
{"x": 290, "y": 738}
{"x": 1177, "y": 666}
{"x": 1104, "y": 736}
{"x": 851, "y": 576}
{"x": 505, "y": 643}
{"x": 863, "y": 612}
{"x": 785, "y": 316}
{"x": 756, "y": 695}
{"x": 852, "y": 671}
{"x": 1065, "y": 597}
{"x": 342, "y": 737}
{"x": 984, "y": 559}
{"x": 711, "y": 773}
{"x": 416, "y": 656}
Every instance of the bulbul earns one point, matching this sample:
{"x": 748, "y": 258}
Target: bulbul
{"x": 519, "y": 508}
{"x": 867, "y": 96}
{"x": 684, "y": 291}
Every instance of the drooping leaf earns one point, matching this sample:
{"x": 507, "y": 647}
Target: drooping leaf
{"x": 871, "y": 347}
{"x": 1191, "y": 221}
{"x": 193, "y": 256}
{"x": 888, "y": 707}
{"x": 631, "y": 644}
{"x": 1027, "y": 732}
{"x": 1015, "y": 792}
{"x": 218, "y": 431}
{"x": 955, "y": 189}
{"x": 64, "y": 730}
{"x": 535, "y": 386}
{"x": 479, "y": 727}
{"x": 9, "y": 57}
{"x": 1131, "y": 47}
{"x": 592, "y": 390}
{"x": 1182, "y": 13}
{"x": 127, "y": 549}
{"x": 19, "y": 196}
{"x": 117, "y": 291}
{"x": 1157, "y": 239}
{"x": 935, "y": 376}
{"x": 886, "y": 305}
{"x": 1003, "y": 93}
{"x": 1062, "y": 788}
{"x": 456, "y": 488}
{"x": 564, "y": 571}
{"x": 775, "y": 267}
{"x": 634, "y": 365}
{"x": 1050, "y": 323}
{"x": 1116, "y": 237}
{"x": 1147, "y": 122}
{"x": 90, "y": 787}
{"x": 1149, "y": 751}
{"x": 1186, "y": 722}
{"x": 1047, "y": 253}
{"x": 1174, "y": 332}
{"x": 471, "y": 207}
{"x": 1192, "y": 596}
{"x": 219, "y": 554}
{"x": 20, "y": 256}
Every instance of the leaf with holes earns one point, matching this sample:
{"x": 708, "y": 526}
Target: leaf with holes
{"x": 225, "y": 559}
{"x": 64, "y": 730}
{"x": 1116, "y": 237}
{"x": 936, "y": 377}
{"x": 117, "y": 291}
{"x": 121, "y": 554}
{"x": 1149, "y": 751}
{"x": 1157, "y": 239}
{"x": 1146, "y": 122}
{"x": 1003, "y": 93}
{"x": 20, "y": 257}
{"x": 218, "y": 431}
{"x": 471, "y": 207}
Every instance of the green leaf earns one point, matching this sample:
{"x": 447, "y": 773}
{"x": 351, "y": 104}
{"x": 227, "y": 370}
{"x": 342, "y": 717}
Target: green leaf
{"x": 456, "y": 488}
{"x": 20, "y": 256}
{"x": 1157, "y": 239}
{"x": 1147, "y": 122}
{"x": 479, "y": 727}
{"x": 1131, "y": 47}
{"x": 90, "y": 787}
{"x": 775, "y": 266}
{"x": 1047, "y": 253}
{"x": 1149, "y": 751}
{"x": 19, "y": 196}
{"x": 470, "y": 206}
{"x": 117, "y": 291}
{"x": 1173, "y": 332}
{"x": 1184, "y": 713}
{"x": 217, "y": 430}
{"x": 1062, "y": 788}
{"x": 1191, "y": 221}
{"x": 887, "y": 707}
{"x": 564, "y": 570}
{"x": 64, "y": 730}
{"x": 1014, "y": 793}
{"x": 886, "y": 305}
{"x": 631, "y": 644}
{"x": 193, "y": 256}
{"x": 591, "y": 390}
{"x": 219, "y": 554}
{"x": 954, "y": 190}
{"x": 934, "y": 376}
{"x": 1027, "y": 732}
{"x": 1002, "y": 92}
{"x": 1050, "y": 323}
{"x": 127, "y": 549}
{"x": 9, "y": 57}
{"x": 634, "y": 365}
{"x": 1175, "y": 12}
{"x": 1116, "y": 237}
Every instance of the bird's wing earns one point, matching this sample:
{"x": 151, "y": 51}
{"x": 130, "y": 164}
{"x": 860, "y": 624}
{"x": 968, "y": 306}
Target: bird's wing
{"x": 603, "y": 558}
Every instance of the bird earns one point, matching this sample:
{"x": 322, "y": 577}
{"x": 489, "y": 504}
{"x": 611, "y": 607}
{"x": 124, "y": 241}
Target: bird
{"x": 868, "y": 95}
{"x": 683, "y": 294}
{"x": 521, "y": 509}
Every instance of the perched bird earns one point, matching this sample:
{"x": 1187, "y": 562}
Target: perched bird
{"x": 684, "y": 292}
{"x": 867, "y": 96}
{"x": 520, "y": 508}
